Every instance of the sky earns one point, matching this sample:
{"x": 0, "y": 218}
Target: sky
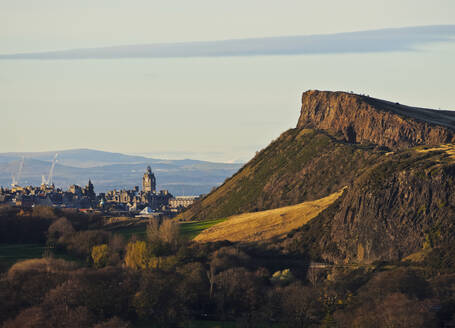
{"x": 220, "y": 109}
{"x": 30, "y": 25}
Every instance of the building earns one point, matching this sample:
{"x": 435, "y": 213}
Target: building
{"x": 89, "y": 191}
{"x": 148, "y": 181}
{"x": 182, "y": 201}
{"x": 125, "y": 201}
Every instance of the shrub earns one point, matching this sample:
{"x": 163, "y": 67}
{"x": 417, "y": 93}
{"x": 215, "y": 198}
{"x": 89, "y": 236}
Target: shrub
{"x": 40, "y": 265}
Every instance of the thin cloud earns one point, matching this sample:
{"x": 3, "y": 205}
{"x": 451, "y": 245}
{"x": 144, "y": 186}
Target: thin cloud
{"x": 384, "y": 40}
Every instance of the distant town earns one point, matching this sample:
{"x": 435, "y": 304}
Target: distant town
{"x": 147, "y": 202}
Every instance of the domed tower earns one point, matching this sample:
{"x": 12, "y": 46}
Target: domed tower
{"x": 148, "y": 181}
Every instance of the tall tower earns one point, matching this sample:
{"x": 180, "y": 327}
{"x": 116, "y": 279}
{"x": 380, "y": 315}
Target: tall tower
{"x": 148, "y": 181}
{"x": 89, "y": 190}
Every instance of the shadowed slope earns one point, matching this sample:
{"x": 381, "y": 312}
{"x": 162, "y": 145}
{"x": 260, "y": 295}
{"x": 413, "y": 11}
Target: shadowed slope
{"x": 403, "y": 204}
{"x": 301, "y": 165}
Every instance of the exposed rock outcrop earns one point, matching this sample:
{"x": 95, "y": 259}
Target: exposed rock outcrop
{"x": 400, "y": 206}
{"x": 363, "y": 119}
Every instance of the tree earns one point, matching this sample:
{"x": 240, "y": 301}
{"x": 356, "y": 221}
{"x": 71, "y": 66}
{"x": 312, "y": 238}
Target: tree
{"x": 138, "y": 255}
{"x": 116, "y": 249}
{"x": 157, "y": 300}
{"x": 238, "y": 292}
{"x": 300, "y": 305}
{"x": 170, "y": 234}
{"x": 105, "y": 292}
{"x": 58, "y": 316}
{"x": 167, "y": 232}
{"x": 44, "y": 212}
{"x": 153, "y": 230}
{"x": 100, "y": 255}
{"x": 59, "y": 228}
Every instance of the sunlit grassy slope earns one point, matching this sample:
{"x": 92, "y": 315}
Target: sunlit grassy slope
{"x": 264, "y": 225}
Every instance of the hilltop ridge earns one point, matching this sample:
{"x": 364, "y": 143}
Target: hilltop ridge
{"x": 362, "y": 119}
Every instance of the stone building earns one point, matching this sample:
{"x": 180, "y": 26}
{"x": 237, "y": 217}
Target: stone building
{"x": 182, "y": 201}
{"x": 89, "y": 190}
{"x": 148, "y": 181}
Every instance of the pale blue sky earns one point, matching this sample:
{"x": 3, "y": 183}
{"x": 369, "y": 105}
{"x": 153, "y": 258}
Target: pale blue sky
{"x": 214, "y": 108}
{"x": 30, "y": 25}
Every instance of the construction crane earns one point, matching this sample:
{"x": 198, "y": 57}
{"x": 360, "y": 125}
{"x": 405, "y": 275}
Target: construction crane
{"x": 17, "y": 177}
{"x": 49, "y": 181}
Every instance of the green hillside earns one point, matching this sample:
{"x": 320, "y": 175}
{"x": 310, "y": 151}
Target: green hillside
{"x": 300, "y": 165}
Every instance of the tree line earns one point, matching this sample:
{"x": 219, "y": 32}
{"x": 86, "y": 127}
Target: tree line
{"x": 164, "y": 280}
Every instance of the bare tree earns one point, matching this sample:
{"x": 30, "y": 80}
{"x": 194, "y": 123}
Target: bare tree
{"x": 153, "y": 230}
{"x": 312, "y": 275}
{"x": 211, "y": 277}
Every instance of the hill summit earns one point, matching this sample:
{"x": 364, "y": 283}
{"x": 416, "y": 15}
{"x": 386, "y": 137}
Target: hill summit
{"x": 396, "y": 163}
{"x": 362, "y": 119}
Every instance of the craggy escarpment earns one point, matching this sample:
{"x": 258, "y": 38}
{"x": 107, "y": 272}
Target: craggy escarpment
{"x": 362, "y": 119}
{"x": 400, "y": 206}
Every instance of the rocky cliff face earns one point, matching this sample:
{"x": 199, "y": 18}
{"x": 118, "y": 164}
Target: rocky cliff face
{"x": 403, "y": 204}
{"x": 361, "y": 119}
{"x": 400, "y": 206}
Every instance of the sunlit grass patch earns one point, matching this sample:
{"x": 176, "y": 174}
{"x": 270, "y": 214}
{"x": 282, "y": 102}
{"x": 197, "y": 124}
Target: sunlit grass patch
{"x": 192, "y": 229}
{"x": 263, "y": 225}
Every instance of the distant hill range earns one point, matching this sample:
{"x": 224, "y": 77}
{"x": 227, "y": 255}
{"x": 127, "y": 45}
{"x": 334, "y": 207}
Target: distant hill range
{"x": 396, "y": 163}
{"x": 114, "y": 170}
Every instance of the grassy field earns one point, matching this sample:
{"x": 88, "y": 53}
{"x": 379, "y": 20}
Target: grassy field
{"x": 11, "y": 253}
{"x": 264, "y": 225}
{"x": 14, "y": 252}
{"x": 127, "y": 232}
{"x": 128, "y": 229}
{"x": 192, "y": 229}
